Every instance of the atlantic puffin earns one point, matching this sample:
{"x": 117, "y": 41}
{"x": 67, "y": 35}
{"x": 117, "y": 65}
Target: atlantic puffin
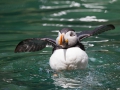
{"x": 68, "y": 52}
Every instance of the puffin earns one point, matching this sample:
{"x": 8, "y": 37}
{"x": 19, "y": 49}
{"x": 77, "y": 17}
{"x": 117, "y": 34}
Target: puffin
{"x": 68, "y": 53}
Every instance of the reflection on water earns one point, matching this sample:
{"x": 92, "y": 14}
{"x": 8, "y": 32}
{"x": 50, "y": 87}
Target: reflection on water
{"x": 43, "y": 18}
{"x": 83, "y": 81}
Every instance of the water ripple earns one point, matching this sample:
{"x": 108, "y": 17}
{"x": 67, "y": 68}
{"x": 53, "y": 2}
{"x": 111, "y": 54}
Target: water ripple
{"x": 70, "y": 4}
{"x": 82, "y": 19}
{"x": 70, "y": 25}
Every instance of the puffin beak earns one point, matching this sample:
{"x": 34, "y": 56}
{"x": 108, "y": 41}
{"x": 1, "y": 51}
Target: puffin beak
{"x": 66, "y": 40}
{"x": 61, "y": 39}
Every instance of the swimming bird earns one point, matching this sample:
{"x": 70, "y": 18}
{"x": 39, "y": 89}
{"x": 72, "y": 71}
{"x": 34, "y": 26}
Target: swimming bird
{"x": 68, "y": 52}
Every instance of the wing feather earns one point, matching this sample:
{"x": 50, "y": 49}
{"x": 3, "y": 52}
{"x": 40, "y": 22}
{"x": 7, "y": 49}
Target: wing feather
{"x": 34, "y": 44}
{"x": 96, "y": 31}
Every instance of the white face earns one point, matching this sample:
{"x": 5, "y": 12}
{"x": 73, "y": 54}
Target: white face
{"x": 68, "y": 39}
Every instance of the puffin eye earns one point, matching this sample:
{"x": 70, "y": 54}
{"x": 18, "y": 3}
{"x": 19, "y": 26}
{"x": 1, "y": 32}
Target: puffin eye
{"x": 72, "y": 34}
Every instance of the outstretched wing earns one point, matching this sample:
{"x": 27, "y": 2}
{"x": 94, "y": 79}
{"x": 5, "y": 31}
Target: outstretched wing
{"x": 34, "y": 44}
{"x": 96, "y": 31}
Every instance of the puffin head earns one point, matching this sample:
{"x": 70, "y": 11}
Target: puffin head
{"x": 66, "y": 38}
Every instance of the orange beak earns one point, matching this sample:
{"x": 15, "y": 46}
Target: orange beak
{"x": 61, "y": 39}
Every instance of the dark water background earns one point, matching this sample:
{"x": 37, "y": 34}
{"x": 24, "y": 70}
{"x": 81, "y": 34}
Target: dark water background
{"x": 22, "y": 19}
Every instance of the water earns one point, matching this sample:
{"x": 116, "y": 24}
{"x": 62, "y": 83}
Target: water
{"x": 20, "y": 20}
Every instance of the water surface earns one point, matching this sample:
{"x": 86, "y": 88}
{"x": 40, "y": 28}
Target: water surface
{"x": 20, "y": 20}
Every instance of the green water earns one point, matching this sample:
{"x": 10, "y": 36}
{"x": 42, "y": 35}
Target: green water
{"x": 22, "y": 19}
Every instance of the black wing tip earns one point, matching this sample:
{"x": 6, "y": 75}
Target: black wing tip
{"x": 15, "y": 51}
{"x": 17, "y": 47}
{"x": 112, "y": 26}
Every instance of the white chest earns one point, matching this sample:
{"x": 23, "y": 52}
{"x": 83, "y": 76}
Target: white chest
{"x": 68, "y": 59}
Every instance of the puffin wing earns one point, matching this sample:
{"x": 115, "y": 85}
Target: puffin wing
{"x": 96, "y": 31}
{"x": 34, "y": 44}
